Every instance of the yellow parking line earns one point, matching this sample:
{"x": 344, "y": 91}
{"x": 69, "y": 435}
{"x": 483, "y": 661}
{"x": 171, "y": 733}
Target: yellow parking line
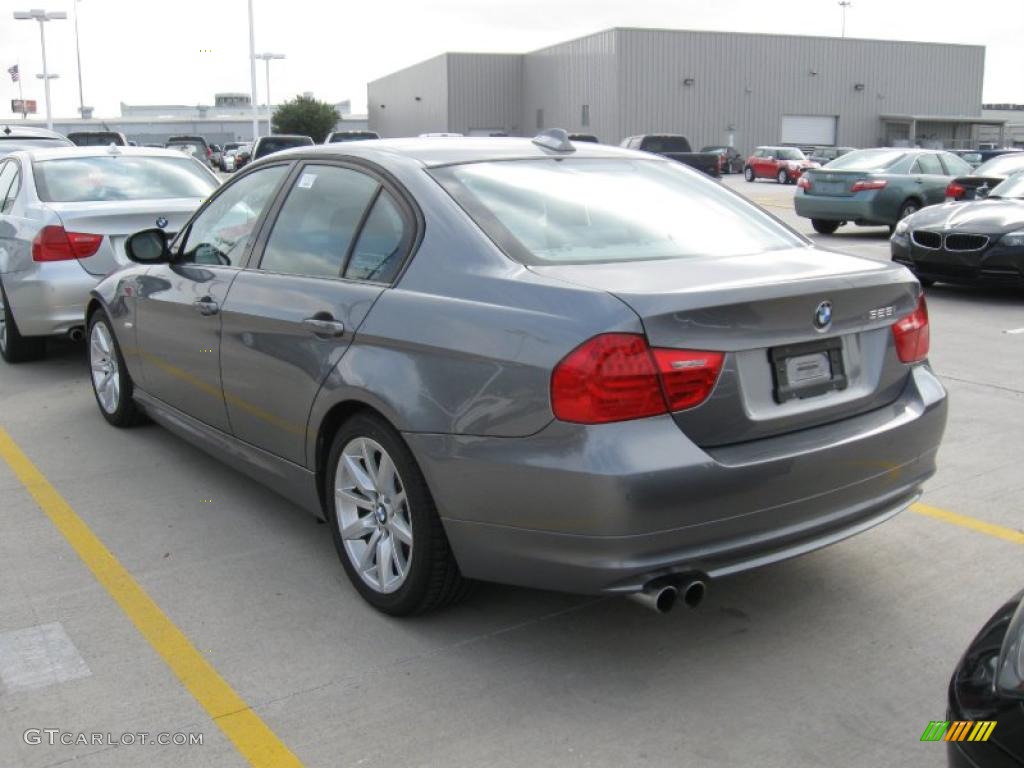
{"x": 250, "y": 735}
{"x": 999, "y": 531}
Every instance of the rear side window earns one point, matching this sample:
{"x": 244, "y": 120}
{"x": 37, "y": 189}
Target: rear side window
{"x": 318, "y": 222}
{"x": 569, "y": 211}
{"x": 928, "y": 164}
{"x": 378, "y": 252}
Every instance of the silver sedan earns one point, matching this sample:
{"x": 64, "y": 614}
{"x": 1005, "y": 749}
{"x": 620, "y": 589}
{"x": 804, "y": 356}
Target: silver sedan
{"x": 64, "y": 216}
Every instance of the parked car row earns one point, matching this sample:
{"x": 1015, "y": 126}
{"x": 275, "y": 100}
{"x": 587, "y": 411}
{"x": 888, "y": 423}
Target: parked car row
{"x": 379, "y": 362}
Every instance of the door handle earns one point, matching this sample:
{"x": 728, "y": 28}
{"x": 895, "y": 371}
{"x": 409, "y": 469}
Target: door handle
{"x": 206, "y": 306}
{"x": 323, "y": 324}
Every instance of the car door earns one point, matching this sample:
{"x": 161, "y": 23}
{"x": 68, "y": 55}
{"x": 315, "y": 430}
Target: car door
{"x": 930, "y": 178}
{"x": 337, "y": 240}
{"x": 178, "y": 314}
{"x": 761, "y": 159}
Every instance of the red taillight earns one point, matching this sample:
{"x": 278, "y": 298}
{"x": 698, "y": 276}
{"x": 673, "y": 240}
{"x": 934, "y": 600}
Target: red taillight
{"x": 912, "y": 334}
{"x": 955, "y": 191}
{"x": 866, "y": 184}
{"x": 803, "y": 183}
{"x": 617, "y": 376}
{"x": 53, "y": 243}
{"x": 209, "y": 152}
{"x": 687, "y": 376}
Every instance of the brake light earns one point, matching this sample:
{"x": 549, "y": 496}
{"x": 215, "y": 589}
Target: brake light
{"x": 866, "y": 184}
{"x": 53, "y": 243}
{"x": 912, "y": 334}
{"x": 955, "y": 191}
{"x": 209, "y": 152}
{"x": 803, "y": 183}
{"x": 617, "y": 377}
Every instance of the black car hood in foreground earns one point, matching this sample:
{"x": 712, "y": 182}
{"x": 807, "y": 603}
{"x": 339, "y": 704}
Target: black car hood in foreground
{"x": 984, "y": 217}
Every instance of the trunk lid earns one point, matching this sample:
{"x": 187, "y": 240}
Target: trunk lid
{"x": 760, "y": 310}
{"x": 829, "y": 183}
{"x": 116, "y": 220}
{"x": 977, "y": 187}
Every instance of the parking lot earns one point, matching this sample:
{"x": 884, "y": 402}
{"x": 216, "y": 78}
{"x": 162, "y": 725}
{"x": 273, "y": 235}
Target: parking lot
{"x": 840, "y": 657}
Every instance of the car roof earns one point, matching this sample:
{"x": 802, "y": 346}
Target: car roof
{"x": 58, "y": 153}
{"x": 14, "y": 131}
{"x": 453, "y": 151}
{"x": 286, "y": 136}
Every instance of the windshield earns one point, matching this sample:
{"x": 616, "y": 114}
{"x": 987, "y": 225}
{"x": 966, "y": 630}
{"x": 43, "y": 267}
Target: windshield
{"x": 598, "y": 211}
{"x": 1013, "y": 187}
{"x": 1002, "y": 165}
{"x": 867, "y": 160}
{"x": 791, "y": 154}
{"x": 86, "y": 179}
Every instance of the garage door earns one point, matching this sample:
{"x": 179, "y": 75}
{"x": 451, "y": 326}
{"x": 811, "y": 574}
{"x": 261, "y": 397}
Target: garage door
{"x": 809, "y": 129}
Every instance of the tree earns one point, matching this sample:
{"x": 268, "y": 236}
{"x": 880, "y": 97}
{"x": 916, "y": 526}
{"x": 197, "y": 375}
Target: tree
{"x": 305, "y": 116}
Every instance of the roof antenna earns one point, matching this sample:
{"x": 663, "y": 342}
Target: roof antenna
{"x": 556, "y": 139}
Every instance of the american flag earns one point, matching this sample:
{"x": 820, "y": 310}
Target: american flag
{"x": 14, "y": 73}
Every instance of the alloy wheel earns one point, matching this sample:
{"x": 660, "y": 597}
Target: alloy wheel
{"x": 373, "y": 516}
{"x": 103, "y": 361}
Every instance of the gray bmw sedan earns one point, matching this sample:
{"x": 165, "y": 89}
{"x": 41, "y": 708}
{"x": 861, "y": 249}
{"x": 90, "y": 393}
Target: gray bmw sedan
{"x": 573, "y": 367}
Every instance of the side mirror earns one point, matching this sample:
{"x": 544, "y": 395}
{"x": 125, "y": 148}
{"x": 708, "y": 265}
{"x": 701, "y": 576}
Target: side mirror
{"x": 148, "y": 247}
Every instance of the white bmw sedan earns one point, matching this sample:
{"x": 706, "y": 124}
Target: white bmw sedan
{"x": 64, "y": 216}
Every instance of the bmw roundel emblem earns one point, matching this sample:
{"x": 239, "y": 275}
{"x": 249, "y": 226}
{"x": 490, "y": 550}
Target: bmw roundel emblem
{"x": 823, "y": 315}
{"x": 161, "y": 222}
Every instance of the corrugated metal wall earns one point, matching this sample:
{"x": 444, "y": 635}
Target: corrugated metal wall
{"x": 485, "y": 92}
{"x": 561, "y": 79}
{"x": 392, "y": 105}
{"x": 749, "y": 82}
{"x": 632, "y": 81}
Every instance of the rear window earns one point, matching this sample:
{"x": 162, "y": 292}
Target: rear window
{"x": 268, "y": 146}
{"x": 1003, "y": 165}
{"x": 1012, "y": 187}
{"x": 660, "y": 144}
{"x": 95, "y": 139}
{"x": 88, "y": 179}
{"x": 867, "y": 160}
{"x": 14, "y": 145}
{"x": 565, "y": 211}
{"x": 191, "y": 148}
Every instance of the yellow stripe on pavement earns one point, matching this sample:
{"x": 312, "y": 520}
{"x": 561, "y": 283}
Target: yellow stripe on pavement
{"x": 998, "y": 531}
{"x": 250, "y": 735}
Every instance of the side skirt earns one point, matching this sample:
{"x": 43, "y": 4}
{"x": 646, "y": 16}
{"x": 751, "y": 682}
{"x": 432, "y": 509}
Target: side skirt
{"x": 294, "y": 483}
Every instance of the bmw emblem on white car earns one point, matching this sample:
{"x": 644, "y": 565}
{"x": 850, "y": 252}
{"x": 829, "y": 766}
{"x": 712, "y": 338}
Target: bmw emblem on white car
{"x": 823, "y": 315}
{"x": 161, "y": 222}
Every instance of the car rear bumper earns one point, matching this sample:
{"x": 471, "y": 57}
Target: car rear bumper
{"x": 50, "y": 298}
{"x": 862, "y": 207}
{"x": 607, "y": 508}
{"x": 996, "y": 265}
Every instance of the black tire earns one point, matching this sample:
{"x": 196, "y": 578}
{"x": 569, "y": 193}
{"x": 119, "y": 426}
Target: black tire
{"x": 127, "y": 412}
{"x": 824, "y": 226}
{"x": 926, "y": 282}
{"x": 748, "y": 173}
{"x": 433, "y": 579}
{"x": 15, "y": 348}
{"x": 908, "y": 208}
{"x": 782, "y": 176}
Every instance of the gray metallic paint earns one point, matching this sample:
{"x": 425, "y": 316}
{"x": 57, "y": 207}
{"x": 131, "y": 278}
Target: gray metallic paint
{"x": 458, "y": 356}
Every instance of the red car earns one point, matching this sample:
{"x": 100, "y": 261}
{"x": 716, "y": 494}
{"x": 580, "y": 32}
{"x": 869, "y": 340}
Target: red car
{"x": 784, "y": 164}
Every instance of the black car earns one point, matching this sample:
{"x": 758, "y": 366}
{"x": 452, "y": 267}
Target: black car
{"x": 980, "y": 241}
{"x": 587, "y": 137}
{"x": 731, "y": 161}
{"x": 986, "y": 176}
{"x": 988, "y": 687}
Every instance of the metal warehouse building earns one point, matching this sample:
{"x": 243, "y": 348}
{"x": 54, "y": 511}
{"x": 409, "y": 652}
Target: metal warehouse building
{"x": 714, "y": 87}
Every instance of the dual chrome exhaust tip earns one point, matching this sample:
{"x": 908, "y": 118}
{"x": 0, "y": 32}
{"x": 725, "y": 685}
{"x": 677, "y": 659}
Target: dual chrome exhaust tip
{"x": 662, "y": 595}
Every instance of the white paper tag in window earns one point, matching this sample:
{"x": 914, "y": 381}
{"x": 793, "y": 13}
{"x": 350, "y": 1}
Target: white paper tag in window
{"x": 306, "y": 180}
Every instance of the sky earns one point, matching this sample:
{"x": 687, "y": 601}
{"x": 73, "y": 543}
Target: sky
{"x": 182, "y": 52}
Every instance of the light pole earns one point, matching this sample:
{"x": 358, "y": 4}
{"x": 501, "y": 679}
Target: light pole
{"x": 42, "y": 17}
{"x": 78, "y": 57}
{"x": 252, "y": 75}
{"x": 844, "y": 4}
{"x": 266, "y": 59}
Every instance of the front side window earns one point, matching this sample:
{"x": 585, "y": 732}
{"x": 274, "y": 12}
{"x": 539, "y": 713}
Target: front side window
{"x": 569, "y": 211}
{"x": 314, "y": 231}
{"x": 105, "y": 178}
{"x": 221, "y": 233}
